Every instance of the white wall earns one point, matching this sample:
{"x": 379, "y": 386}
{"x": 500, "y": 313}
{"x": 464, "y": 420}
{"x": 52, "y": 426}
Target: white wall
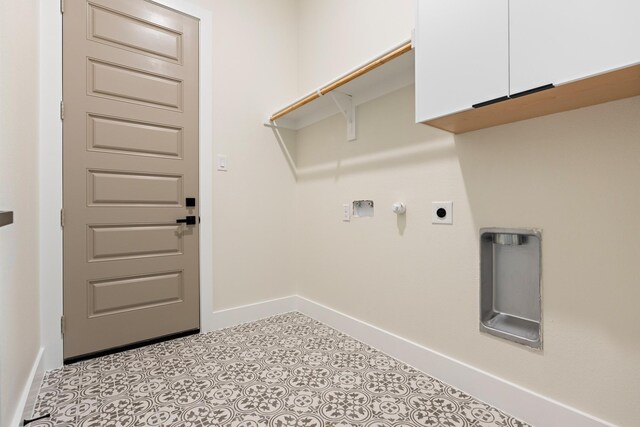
{"x": 574, "y": 175}
{"x": 255, "y": 68}
{"x": 19, "y": 302}
{"x": 337, "y": 35}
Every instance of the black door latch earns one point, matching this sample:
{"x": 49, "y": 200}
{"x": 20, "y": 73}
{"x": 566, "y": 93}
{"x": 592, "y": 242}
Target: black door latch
{"x": 189, "y": 220}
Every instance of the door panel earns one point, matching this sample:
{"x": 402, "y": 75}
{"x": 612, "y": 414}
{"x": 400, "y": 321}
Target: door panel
{"x": 134, "y": 189}
{"x": 112, "y": 296}
{"x": 121, "y": 136}
{"x": 112, "y": 242}
{"x": 130, "y": 159}
{"x": 125, "y": 83}
{"x": 462, "y": 55}
{"x": 561, "y": 41}
{"x": 129, "y": 33}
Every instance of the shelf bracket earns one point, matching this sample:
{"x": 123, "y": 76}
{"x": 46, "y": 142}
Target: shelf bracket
{"x": 346, "y": 106}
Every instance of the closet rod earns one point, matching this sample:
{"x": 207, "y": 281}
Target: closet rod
{"x": 372, "y": 65}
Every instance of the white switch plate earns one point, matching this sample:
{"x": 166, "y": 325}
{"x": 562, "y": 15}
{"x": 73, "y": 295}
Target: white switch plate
{"x": 346, "y": 212}
{"x": 448, "y": 207}
{"x": 222, "y": 162}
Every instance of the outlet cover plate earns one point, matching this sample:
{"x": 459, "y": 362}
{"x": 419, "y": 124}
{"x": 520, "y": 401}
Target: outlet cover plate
{"x": 346, "y": 212}
{"x": 222, "y": 162}
{"x": 448, "y": 218}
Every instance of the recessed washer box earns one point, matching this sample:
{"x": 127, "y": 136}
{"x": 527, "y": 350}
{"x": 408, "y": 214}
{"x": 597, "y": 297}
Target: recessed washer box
{"x": 510, "y": 298}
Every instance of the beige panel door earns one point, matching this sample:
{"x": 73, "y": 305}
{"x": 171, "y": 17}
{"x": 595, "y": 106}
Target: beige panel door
{"x": 130, "y": 162}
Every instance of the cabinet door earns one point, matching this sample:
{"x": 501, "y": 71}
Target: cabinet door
{"x": 462, "y": 55}
{"x": 557, "y": 41}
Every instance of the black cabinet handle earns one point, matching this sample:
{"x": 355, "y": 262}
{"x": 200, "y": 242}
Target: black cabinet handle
{"x": 515, "y": 95}
{"x": 530, "y": 91}
{"x": 489, "y": 102}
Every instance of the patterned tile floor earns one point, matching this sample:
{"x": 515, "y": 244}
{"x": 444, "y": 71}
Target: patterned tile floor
{"x": 284, "y": 371}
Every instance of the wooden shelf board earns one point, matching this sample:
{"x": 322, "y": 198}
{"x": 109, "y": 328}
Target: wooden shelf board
{"x": 370, "y": 82}
{"x": 610, "y": 86}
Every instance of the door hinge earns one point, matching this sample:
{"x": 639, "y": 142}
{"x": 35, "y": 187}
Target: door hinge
{"x": 62, "y": 218}
{"x": 61, "y": 110}
{"x": 62, "y": 325}
{"x": 61, "y": 6}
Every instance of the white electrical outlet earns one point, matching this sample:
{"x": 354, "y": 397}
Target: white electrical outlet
{"x": 346, "y": 212}
{"x": 223, "y": 163}
{"x": 442, "y": 213}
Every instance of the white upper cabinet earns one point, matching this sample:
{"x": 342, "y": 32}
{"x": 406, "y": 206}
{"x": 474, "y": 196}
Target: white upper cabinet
{"x": 469, "y": 52}
{"x": 462, "y": 55}
{"x": 557, "y": 41}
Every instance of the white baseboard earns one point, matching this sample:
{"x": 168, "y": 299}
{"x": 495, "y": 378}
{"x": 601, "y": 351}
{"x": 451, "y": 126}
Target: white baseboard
{"x": 517, "y": 401}
{"x": 249, "y": 313}
{"x": 30, "y": 392}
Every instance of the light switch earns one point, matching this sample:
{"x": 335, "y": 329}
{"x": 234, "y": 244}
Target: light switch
{"x": 223, "y": 163}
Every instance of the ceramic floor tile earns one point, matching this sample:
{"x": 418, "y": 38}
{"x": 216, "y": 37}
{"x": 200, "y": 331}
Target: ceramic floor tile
{"x": 284, "y": 371}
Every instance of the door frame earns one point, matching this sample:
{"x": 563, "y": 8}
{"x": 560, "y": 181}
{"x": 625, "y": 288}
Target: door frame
{"x": 50, "y": 169}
